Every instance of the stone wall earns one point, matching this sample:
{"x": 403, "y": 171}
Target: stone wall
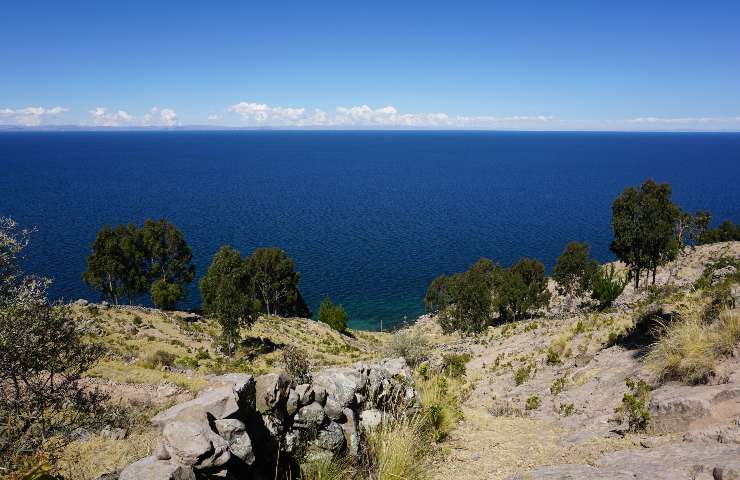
{"x": 244, "y": 427}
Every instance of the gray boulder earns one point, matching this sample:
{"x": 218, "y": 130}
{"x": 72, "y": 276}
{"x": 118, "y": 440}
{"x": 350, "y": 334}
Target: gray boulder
{"x": 275, "y": 422}
{"x": 370, "y": 419}
{"x": 270, "y": 390}
{"x": 230, "y": 428}
{"x": 220, "y": 402}
{"x": 293, "y": 402}
{"x": 311, "y": 416}
{"x": 241, "y": 447}
{"x": 679, "y": 408}
{"x": 293, "y": 440}
{"x": 351, "y": 430}
{"x": 319, "y": 394}
{"x": 333, "y": 410}
{"x": 194, "y": 444}
{"x": 331, "y": 438}
{"x": 149, "y": 468}
{"x": 305, "y": 393}
{"x": 341, "y": 384}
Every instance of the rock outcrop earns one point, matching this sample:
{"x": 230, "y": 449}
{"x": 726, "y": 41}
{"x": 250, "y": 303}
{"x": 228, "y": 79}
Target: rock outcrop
{"x": 244, "y": 425}
{"x": 671, "y": 462}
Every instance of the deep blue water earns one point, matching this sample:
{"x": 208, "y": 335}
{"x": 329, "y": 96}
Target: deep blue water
{"x": 369, "y": 217}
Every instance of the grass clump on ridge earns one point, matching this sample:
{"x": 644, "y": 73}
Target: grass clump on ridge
{"x": 690, "y": 348}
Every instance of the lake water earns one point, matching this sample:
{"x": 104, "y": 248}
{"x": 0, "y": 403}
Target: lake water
{"x": 369, "y": 217}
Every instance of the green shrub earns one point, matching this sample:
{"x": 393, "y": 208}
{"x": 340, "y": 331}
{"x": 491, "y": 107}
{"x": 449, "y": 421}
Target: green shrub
{"x": 454, "y": 364}
{"x": 522, "y": 374}
{"x": 705, "y": 280}
{"x": 158, "y": 359}
{"x": 635, "y": 405}
{"x": 333, "y": 315}
{"x": 566, "y": 409}
{"x": 409, "y": 343}
{"x": 423, "y": 371}
{"x": 202, "y": 354}
{"x": 607, "y": 286}
{"x": 558, "y": 385}
{"x": 553, "y": 357}
{"x": 533, "y": 403}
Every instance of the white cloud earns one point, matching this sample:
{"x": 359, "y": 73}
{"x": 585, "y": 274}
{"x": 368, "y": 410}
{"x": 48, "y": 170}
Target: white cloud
{"x": 160, "y": 117}
{"x": 156, "y": 117}
{"x": 30, "y": 116}
{"x": 683, "y": 120}
{"x": 102, "y": 118}
{"x": 361, "y": 116}
{"x": 262, "y": 114}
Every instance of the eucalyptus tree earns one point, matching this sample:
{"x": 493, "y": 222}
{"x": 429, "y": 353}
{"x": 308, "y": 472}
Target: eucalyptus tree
{"x": 644, "y": 222}
{"x": 227, "y": 294}
{"x": 574, "y": 269}
{"x": 117, "y": 264}
{"x": 169, "y": 262}
{"x": 275, "y": 280}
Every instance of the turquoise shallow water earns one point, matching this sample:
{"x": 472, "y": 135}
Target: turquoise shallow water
{"x": 369, "y": 217}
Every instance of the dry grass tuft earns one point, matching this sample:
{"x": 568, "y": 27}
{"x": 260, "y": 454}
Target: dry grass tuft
{"x": 399, "y": 449}
{"x": 690, "y": 349}
{"x": 88, "y": 459}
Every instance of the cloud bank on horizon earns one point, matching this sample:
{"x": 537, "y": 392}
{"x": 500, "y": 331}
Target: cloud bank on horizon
{"x": 260, "y": 115}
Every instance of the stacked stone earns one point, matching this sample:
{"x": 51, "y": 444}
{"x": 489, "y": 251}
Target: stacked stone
{"x": 242, "y": 425}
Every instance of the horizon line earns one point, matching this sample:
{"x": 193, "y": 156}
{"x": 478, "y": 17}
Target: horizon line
{"x": 227, "y": 128}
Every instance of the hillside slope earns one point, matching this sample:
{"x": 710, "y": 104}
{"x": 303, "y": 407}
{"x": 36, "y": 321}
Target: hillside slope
{"x": 545, "y": 391}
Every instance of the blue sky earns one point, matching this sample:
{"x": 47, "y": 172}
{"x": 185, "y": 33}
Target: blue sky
{"x": 399, "y": 64}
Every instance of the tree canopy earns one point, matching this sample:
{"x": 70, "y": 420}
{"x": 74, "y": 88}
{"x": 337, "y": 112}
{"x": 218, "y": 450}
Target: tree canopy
{"x": 727, "y": 231}
{"x": 644, "y": 222}
{"x": 522, "y": 288}
{"x": 117, "y": 264}
{"x": 276, "y": 282}
{"x": 169, "y": 259}
{"x": 128, "y": 261}
{"x": 574, "y": 269}
{"x": 227, "y": 293}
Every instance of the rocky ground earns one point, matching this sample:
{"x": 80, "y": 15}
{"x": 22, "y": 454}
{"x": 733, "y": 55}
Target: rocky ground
{"x": 531, "y": 415}
{"x": 158, "y": 359}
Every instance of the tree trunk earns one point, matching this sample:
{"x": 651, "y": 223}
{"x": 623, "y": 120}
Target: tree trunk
{"x": 637, "y": 278}
{"x": 654, "y": 269}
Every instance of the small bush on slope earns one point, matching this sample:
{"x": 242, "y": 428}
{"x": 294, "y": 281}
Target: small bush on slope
{"x": 607, "y": 285}
{"x": 454, "y": 364}
{"x": 297, "y": 364}
{"x": 333, "y": 315}
{"x": 635, "y": 405}
{"x": 409, "y": 343}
